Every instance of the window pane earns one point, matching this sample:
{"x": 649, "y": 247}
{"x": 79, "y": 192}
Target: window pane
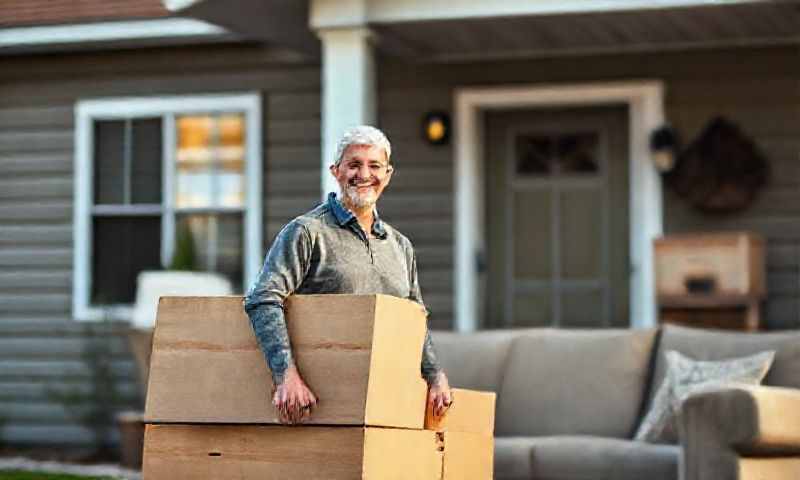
{"x": 193, "y": 189}
{"x": 109, "y": 161}
{"x": 147, "y": 160}
{"x": 127, "y": 162}
{"x": 123, "y": 247}
{"x": 210, "y": 161}
{"x": 534, "y": 155}
{"x": 231, "y": 193}
{"x": 218, "y": 244}
{"x": 577, "y": 153}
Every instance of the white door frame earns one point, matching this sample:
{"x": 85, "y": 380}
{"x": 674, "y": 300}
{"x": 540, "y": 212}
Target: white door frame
{"x": 645, "y": 101}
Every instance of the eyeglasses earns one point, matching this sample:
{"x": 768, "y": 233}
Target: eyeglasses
{"x": 377, "y": 169}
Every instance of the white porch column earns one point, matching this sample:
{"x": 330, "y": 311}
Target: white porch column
{"x": 348, "y": 89}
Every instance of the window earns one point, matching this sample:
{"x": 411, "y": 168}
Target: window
{"x": 163, "y": 182}
{"x": 557, "y": 154}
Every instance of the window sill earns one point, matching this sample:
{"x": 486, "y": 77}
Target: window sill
{"x": 102, "y": 313}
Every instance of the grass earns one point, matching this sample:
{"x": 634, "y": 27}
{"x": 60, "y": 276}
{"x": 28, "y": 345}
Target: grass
{"x": 20, "y": 475}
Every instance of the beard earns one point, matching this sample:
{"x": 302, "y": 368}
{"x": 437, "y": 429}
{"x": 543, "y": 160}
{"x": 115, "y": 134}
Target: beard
{"x": 359, "y": 199}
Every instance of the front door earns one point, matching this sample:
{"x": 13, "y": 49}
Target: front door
{"x": 557, "y": 218}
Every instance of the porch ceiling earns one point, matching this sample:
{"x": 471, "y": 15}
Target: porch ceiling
{"x": 538, "y": 33}
{"x": 712, "y": 25}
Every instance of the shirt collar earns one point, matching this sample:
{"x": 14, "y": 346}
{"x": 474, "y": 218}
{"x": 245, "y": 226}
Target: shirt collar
{"x": 344, "y": 216}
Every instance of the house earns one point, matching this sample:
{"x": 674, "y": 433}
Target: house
{"x": 122, "y": 123}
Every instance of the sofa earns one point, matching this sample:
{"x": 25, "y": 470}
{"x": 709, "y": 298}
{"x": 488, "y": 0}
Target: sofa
{"x": 569, "y": 403}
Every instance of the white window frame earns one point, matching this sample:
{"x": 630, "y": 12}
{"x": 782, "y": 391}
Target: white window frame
{"x": 89, "y": 111}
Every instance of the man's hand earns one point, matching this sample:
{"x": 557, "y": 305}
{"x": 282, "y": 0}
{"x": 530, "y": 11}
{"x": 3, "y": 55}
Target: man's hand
{"x": 293, "y": 399}
{"x": 439, "y": 395}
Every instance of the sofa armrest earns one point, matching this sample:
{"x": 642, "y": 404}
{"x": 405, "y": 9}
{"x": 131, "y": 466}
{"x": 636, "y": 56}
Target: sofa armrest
{"x": 718, "y": 427}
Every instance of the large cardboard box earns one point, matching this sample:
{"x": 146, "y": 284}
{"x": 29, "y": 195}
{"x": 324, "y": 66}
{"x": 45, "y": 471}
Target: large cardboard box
{"x": 467, "y": 435}
{"x": 259, "y": 452}
{"x": 360, "y": 354}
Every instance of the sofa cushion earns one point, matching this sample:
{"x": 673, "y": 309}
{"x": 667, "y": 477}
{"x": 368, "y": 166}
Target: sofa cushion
{"x": 597, "y": 458}
{"x": 582, "y": 457}
{"x": 512, "y": 457}
{"x": 719, "y": 345}
{"x": 474, "y": 360}
{"x": 686, "y": 377}
{"x": 574, "y": 382}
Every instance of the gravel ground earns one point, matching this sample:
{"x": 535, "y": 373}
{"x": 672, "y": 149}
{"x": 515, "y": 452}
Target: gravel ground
{"x": 108, "y": 470}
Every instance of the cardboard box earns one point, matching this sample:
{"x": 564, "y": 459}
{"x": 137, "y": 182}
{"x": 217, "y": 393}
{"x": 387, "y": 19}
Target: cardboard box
{"x": 259, "y": 452}
{"x": 472, "y": 411}
{"x": 766, "y": 468}
{"x": 466, "y": 431}
{"x": 467, "y": 456}
{"x": 360, "y": 354}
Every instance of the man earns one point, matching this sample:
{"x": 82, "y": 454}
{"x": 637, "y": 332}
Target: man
{"x": 341, "y": 246}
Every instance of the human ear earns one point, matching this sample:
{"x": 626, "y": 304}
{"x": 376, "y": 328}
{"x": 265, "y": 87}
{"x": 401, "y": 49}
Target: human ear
{"x": 388, "y": 177}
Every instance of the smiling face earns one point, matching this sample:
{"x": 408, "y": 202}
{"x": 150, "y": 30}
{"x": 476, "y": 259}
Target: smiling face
{"x": 362, "y": 174}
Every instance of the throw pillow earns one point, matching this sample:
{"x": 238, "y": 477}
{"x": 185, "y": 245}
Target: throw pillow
{"x": 685, "y": 377}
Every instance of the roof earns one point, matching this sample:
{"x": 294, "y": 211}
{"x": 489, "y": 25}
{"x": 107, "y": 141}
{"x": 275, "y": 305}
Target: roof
{"x": 17, "y": 13}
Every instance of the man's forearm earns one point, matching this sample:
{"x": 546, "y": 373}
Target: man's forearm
{"x": 269, "y": 325}
{"x": 430, "y": 364}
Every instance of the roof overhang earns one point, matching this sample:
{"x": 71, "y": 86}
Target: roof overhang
{"x": 280, "y": 22}
{"x": 332, "y": 13}
{"x": 113, "y": 34}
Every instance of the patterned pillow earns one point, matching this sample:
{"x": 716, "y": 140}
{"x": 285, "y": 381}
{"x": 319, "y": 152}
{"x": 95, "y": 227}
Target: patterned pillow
{"x": 686, "y": 377}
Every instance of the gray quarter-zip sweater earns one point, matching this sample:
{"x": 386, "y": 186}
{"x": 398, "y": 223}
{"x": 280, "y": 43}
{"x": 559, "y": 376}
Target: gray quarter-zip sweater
{"x": 326, "y": 251}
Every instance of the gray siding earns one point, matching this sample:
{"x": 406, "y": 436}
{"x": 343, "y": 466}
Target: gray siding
{"x": 419, "y": 200}
{"x": 42, "y": 349}
{"x": 766, "y": 105}
{"x": 757, "y": 88}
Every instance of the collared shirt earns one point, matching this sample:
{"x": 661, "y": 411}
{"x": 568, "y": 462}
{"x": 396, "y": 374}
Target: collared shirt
{"x": 326, "y": 251}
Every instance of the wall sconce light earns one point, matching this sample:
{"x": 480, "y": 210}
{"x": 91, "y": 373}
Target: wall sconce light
{"x": 664, "y": 148}
{"x": 436, "y": 128}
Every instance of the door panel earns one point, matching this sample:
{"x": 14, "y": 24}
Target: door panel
{"x": 581, "y": 233}
{"x": 557, "y": 218}
{"x": 533, "y": 262}
{"x": 582, "y": 308}
{"x": 532, "y": 309}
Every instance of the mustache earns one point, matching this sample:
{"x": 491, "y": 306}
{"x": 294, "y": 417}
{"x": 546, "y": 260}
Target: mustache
{"x": 355, "y": 181}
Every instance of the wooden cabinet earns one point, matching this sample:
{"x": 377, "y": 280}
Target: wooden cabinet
{"x": 712, "y": 280}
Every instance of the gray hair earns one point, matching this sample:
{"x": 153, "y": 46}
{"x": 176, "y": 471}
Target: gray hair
{"x": 363, "y": 135}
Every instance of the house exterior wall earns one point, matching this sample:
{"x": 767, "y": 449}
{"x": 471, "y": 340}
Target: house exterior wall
{"x": 42, "y": 349}
{"x": 757, "y": 88}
